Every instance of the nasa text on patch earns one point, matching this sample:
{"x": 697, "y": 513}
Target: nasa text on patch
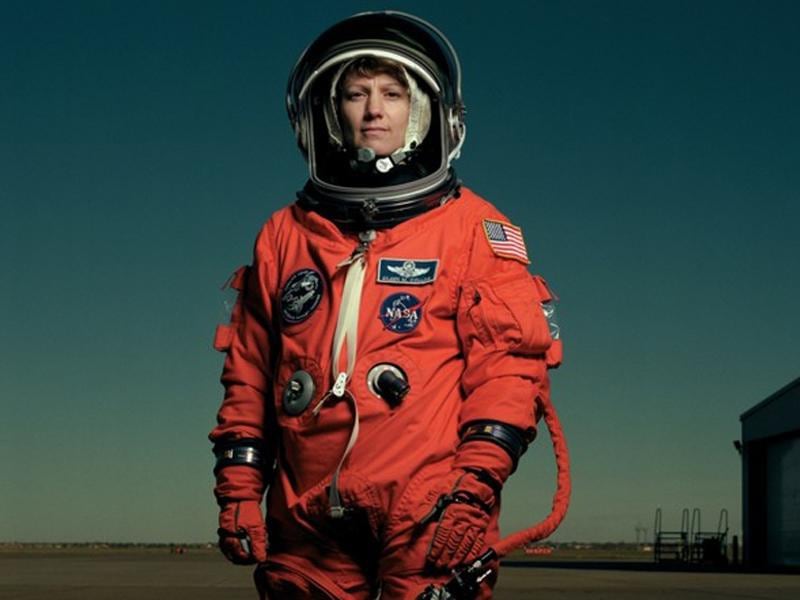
{"x": 407, "y": 271}
{"x": 401, "y": 313}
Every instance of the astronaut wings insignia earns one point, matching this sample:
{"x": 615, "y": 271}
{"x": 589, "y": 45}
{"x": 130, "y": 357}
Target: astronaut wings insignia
{"x": 407, "y": 271}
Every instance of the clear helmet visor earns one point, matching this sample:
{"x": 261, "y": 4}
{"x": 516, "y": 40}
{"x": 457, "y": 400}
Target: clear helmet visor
{"x": 415, "y": 101}
{"x": 340, "y": 154}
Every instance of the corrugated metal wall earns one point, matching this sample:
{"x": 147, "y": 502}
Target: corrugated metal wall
{"x": 783, "y": 502}
{"x": 771, "y": 480}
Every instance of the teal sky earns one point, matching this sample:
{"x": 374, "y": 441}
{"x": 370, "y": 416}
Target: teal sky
{"x": 649, "y": 151}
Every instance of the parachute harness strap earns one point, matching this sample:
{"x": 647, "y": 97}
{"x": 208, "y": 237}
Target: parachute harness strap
{"x": 347, "y": 333}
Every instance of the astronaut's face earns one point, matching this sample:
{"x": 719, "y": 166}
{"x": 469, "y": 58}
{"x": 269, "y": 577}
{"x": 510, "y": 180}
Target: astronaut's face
{"x": 375, "y": 111}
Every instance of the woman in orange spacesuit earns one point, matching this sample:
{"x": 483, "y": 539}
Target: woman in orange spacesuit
{"x": 388, "y": 347}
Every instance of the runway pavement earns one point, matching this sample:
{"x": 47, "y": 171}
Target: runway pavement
{"x": 204, "y": 575}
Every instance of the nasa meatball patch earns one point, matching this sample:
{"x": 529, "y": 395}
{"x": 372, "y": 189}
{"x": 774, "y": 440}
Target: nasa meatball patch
{"x": 407, "y": 271}
{"x": 401, "y": 312}
{"x": 301, "y": 296}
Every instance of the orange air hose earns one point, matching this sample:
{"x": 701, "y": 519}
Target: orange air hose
{"x": 563, "y": 488}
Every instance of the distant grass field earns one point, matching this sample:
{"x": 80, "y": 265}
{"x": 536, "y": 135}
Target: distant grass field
{"x": 622, "y": 553}
{"x": 584, "y": 552}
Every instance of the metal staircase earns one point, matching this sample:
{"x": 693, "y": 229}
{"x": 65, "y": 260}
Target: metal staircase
{"x": 709, "y": 547}
{"x": 671, "y": 546}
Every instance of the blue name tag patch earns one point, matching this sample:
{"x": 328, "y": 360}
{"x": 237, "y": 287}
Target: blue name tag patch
{"x": 407, "y": 271}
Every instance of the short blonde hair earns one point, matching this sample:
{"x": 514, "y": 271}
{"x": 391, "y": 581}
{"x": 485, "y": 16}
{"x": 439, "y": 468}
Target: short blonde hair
{"x": 369, "y": 66}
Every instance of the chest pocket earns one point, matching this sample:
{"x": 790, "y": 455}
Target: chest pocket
{"x": 504, "y": 313}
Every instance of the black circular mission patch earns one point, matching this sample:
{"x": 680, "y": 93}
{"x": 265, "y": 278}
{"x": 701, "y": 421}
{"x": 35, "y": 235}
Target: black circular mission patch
{"x": 301, "y": 295}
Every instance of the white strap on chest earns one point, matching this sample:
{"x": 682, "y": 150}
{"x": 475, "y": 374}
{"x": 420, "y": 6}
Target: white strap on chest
{"x": 347, "y": 324}
{"x": 347, "y": 333}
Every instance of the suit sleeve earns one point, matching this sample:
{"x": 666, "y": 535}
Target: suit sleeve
{"x": 505, "y": 338}
{"x": 247, "y": 411}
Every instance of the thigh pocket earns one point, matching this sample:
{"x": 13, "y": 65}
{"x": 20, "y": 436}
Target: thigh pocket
{"x": 280, "y": 579}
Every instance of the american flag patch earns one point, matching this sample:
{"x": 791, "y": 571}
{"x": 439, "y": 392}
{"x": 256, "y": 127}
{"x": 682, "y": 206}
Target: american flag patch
{"x": 506, "y": 240}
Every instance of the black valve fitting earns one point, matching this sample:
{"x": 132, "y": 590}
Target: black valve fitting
{"x": 388, "y": 382}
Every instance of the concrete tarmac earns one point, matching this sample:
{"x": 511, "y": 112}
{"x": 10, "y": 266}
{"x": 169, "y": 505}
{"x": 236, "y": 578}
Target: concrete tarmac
{"x": 204, "y": 575}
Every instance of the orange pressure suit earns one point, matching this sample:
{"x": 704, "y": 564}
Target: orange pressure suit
{"x": 457, "y": 312}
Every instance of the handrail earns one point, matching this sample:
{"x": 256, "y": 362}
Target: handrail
{"x": 695, "y": 530}
{"x": 723, "y": 514}
{"x": 657, "y": 525}
{"x": 685, "y": 521}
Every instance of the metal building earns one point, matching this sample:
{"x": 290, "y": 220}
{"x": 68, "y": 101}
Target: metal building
{"x": 771, "y": 480}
